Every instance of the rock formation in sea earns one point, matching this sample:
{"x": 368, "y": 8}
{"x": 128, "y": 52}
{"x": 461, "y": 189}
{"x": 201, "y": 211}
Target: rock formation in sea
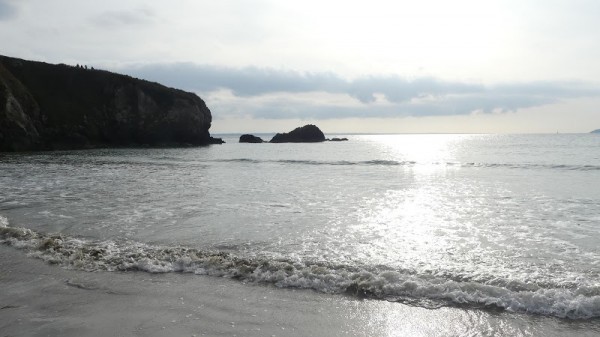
{"x": 596, "y": 131}
{"x": 45, "y": 106}
{"x": 335, "y": 139}
{"x": 305, "y": 134}
{"x": 250, "y": 139}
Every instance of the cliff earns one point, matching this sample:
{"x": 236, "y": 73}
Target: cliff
{"x": 45, "y": 107}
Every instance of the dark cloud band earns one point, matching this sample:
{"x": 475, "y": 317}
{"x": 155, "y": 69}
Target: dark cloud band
{"x": 416, "y": 97}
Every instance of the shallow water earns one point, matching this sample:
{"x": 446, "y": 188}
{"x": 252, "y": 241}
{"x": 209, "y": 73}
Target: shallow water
{"x": 492, "y": 222}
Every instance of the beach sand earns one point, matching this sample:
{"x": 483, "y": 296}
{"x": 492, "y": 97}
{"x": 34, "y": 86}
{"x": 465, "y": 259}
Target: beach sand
{"x": 38, "y": 299}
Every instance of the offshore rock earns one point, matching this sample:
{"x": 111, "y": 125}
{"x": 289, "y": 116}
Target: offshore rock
{"x": 596, "y": 131}
{"x": 250, "y": 139}
{"x": 305, "y": 134}
{"x": 213, "y": 140}
{"x": 45, "y": 107}
{"x": 344, "y": 139}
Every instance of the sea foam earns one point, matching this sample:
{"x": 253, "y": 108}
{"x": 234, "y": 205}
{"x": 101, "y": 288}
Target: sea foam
{"x": 580, "y": 302}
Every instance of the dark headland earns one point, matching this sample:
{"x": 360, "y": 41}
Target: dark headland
{"x": 596, "y": 131}
{"x": 45, "y": 107}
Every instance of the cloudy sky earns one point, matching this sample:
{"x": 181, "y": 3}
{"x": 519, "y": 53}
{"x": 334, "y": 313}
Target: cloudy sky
{"x": 348, "y": 66}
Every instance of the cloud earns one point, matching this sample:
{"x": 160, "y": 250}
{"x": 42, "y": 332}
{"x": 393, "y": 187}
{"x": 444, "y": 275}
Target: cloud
{"x": 7, "y": 10}
{"x": 318, "y": 105}
{"x": 249, "y": 81}
{"x": 120, "y": 18}
{"x": 274, "y": 94}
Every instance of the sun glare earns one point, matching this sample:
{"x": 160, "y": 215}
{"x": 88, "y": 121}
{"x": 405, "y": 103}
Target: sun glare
{"x": 422, "y": 150}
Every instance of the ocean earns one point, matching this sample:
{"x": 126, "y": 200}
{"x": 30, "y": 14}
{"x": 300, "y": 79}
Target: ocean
{"x": 505, "y": 228}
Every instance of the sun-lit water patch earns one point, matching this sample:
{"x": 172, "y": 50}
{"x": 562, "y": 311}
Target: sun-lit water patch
{"x": 421, "y": 149}
{"x": 402, "y": 225}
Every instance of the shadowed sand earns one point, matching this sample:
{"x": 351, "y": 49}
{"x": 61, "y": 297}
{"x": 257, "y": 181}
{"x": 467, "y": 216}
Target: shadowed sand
{"x": 38, "y": 299}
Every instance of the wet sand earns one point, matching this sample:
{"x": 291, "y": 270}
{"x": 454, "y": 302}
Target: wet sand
{"x": 38, "y": 299}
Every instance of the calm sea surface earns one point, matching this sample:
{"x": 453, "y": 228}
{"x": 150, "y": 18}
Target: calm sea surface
{"x": 491, "y": 222}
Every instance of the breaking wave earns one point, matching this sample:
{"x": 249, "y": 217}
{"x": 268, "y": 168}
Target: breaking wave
{"x": 576, "y": 302}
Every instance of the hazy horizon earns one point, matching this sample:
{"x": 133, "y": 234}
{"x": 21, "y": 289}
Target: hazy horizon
{"x": 402, "y": 133}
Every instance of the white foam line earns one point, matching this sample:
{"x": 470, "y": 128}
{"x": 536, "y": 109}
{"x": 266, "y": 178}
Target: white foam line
{"x": 581, "y": 302}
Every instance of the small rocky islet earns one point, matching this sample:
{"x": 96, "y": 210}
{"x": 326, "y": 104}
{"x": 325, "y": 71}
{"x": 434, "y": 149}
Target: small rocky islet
{"x": 247, "y": 138}
{"x": 305, "y": 134}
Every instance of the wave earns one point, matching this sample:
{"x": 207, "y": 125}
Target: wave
{"x": 316, "y": 162}
{"x": 170, "y": 162}
{"x": 378, "y": 162}
{"x": 579, "y": 302}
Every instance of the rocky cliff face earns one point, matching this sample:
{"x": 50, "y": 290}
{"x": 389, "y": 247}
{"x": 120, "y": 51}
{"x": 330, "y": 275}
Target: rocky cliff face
{"x": 19, "y": 115}
{"x": 44, "y": 106}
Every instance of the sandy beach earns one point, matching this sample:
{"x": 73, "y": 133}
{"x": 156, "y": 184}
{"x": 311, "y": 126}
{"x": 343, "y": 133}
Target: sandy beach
{"x": 38, "y": 299}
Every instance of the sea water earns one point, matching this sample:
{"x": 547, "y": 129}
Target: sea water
{"x": 483, "y": 222}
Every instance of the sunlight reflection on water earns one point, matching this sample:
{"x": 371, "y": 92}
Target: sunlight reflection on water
{"x": 409, "y": 223}
{"x": 421, "y": 149}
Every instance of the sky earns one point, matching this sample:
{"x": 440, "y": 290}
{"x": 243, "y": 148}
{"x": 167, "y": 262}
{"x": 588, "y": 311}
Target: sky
{"x": 380, "y": 66}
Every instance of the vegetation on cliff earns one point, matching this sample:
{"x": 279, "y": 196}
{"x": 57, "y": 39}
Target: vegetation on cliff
{"x": 45, "y": 106}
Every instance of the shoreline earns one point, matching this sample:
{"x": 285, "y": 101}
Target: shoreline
{"x": 39, "y": 299}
